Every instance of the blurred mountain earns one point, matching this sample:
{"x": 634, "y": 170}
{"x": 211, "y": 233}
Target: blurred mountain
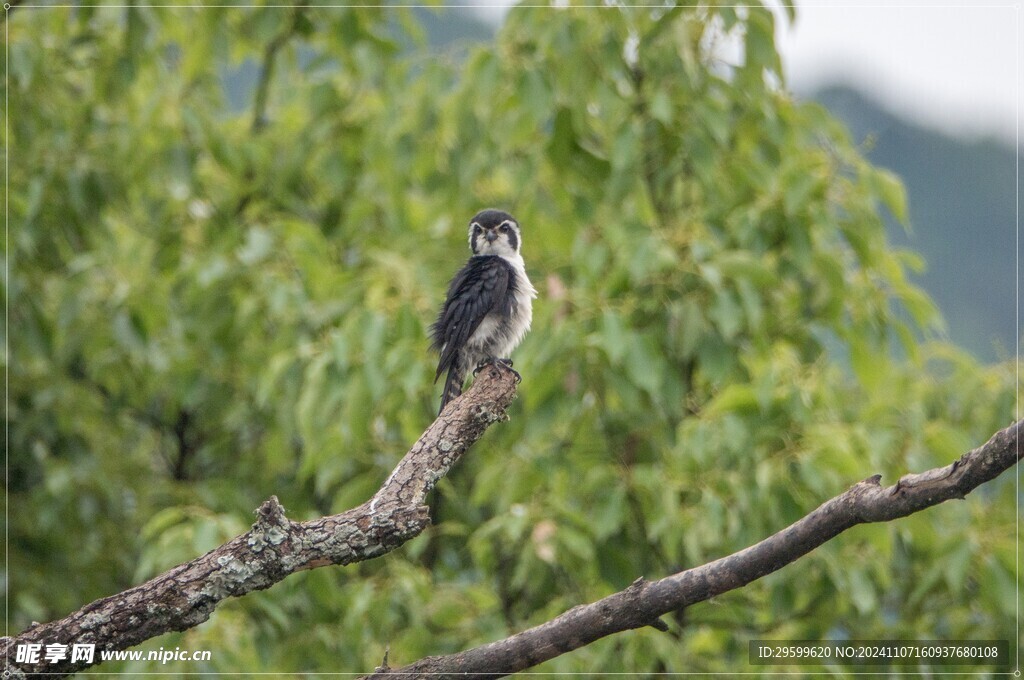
{"x": 962, "y": 200}
{"x": 446, "y": 26}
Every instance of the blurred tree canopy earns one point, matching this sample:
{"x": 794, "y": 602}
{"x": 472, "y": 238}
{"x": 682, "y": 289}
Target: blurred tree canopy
{"x": 211, "y": 303}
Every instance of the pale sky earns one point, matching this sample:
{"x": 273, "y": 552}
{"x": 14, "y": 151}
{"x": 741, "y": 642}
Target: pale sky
{"x": 954, "y": 66}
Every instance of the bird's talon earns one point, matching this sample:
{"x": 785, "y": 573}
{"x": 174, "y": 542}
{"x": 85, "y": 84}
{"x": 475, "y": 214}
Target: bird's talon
{"x": 507, "y": 363}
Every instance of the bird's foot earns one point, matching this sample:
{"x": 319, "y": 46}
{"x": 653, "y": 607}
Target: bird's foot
{"x": 498, "y": 361}
{"x": 489, "y": 361}
{"x": 507, "y": 363}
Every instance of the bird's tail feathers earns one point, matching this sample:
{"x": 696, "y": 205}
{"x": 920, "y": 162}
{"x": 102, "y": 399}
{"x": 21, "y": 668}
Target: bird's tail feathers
{"x": 452, "y": 386}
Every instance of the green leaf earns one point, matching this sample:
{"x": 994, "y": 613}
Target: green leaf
{"x": 734, "y": 398}
{"x": 760, "y": 41}
{"x": 615, "y": 338}
{"x": 661, "y": 107}
{"x": 862, "y": 591}
{"x": 892, "y": 192}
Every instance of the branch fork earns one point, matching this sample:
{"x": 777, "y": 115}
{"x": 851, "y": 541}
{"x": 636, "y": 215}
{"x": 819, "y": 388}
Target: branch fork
{"x": 275, "y": 547}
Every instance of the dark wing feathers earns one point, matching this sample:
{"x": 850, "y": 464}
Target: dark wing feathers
{"x": 480, "y": 287}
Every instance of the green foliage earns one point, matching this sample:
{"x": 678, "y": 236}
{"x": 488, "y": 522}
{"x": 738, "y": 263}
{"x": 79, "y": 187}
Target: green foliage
{"x": 212, "y": 303}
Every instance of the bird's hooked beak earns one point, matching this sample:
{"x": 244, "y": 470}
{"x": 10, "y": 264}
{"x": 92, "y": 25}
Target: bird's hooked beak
{"x": 491, "y": 235}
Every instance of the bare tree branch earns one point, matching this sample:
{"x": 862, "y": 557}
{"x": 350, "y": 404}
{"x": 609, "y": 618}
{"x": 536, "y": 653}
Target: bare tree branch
{"x": 275, "y": 547}
{"x": 259, "y": 109}
{"x": 643, "y": 602}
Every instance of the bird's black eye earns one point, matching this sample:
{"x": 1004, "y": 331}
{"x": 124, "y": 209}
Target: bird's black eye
{"x": 476, "y": 229}
{"x": 503, "y": 228}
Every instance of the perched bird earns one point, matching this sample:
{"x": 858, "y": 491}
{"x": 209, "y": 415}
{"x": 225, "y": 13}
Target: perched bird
{"x": 488, "y": 309}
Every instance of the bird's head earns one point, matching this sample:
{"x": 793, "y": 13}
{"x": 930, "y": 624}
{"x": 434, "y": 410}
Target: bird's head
{"x": 493, "y": 232}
